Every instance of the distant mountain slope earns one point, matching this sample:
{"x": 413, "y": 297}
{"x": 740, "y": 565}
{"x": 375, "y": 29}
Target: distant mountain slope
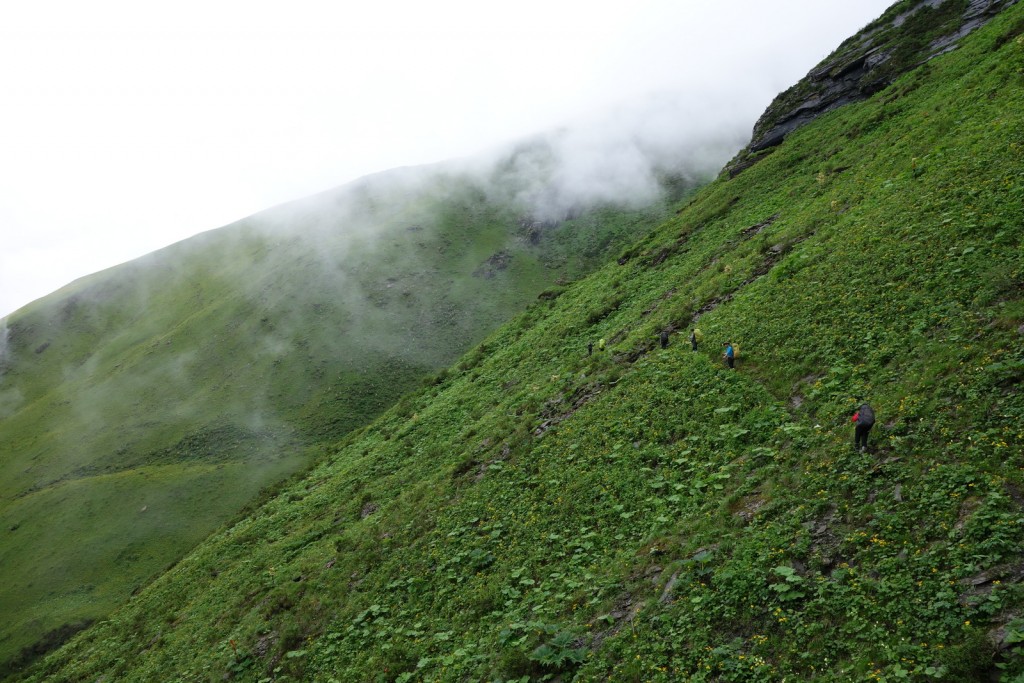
{"x": 647, "y": 515}
{"x": 143, "y": 406}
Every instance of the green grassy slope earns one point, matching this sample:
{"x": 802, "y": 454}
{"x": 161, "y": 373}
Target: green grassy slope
{"x": 143, "y": 406}
{"x": 647, "y": 515}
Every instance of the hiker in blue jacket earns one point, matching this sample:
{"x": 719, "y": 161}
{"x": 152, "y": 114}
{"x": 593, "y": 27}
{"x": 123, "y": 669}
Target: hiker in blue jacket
{"x": 730, "y": 356}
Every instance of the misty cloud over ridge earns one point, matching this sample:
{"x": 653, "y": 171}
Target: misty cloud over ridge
{"x": 622, "y": 156}
{"x": 384, "y": 272}
{"x": 224, "y": 110}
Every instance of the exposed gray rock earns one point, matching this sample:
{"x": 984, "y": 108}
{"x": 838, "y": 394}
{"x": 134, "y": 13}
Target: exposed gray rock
{"x": 493, "y": 265}
{"x": 861, "y": 67}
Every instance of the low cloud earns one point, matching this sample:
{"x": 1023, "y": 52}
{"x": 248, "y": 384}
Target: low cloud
{"x": 622, "y": 156}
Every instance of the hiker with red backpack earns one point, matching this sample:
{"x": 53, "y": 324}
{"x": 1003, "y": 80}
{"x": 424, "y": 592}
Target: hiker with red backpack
{"x": 864, "y": 420}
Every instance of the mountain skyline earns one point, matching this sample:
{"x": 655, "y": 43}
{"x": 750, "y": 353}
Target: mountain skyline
{"x": 132, "y": 130}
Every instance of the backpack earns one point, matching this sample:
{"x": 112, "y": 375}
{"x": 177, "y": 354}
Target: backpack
{"x": 867, "y": 416}
{"x": 698, "y": 335}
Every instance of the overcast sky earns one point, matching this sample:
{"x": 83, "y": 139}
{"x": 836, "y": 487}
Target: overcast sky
{"x": 127, "y": 126}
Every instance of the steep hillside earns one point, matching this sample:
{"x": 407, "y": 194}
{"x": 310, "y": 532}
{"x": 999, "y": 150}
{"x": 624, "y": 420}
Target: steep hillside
{"x": 142, "y": 407}
{"x": 645, "y": 514}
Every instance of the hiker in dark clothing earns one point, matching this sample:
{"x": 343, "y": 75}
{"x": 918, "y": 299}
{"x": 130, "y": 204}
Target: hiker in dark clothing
{"x": 590, "y": 349}
{"x": 730, "y": 356}
{"x": 664, "y": 338}
{"x": 693, "y": 339}
{"x": 864, "y": 419}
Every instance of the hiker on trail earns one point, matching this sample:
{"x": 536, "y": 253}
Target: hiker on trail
{"x": 695, "y": 337}
{"x": 664, "y": 338}
{"x": 590, "y": 349}
{"x": 864, "y": 419}
{"x": 729, "y": 355}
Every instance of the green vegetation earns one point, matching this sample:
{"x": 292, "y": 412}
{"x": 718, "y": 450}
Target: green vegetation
{"x": 535, "y": 513}
{"x": 143, "y": 407}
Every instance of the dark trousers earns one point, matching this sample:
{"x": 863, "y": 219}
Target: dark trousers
{"x": 730, "y": 361}
{"x": 860, "y": 436}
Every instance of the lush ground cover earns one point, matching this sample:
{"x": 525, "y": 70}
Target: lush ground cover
{"x": 142, "y": 407}
{"x": 538, "y": 513}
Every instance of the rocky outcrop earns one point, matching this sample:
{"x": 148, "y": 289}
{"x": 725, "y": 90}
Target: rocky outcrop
{"x": 493, "y": 265}
{"x": 907, "y": 35}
